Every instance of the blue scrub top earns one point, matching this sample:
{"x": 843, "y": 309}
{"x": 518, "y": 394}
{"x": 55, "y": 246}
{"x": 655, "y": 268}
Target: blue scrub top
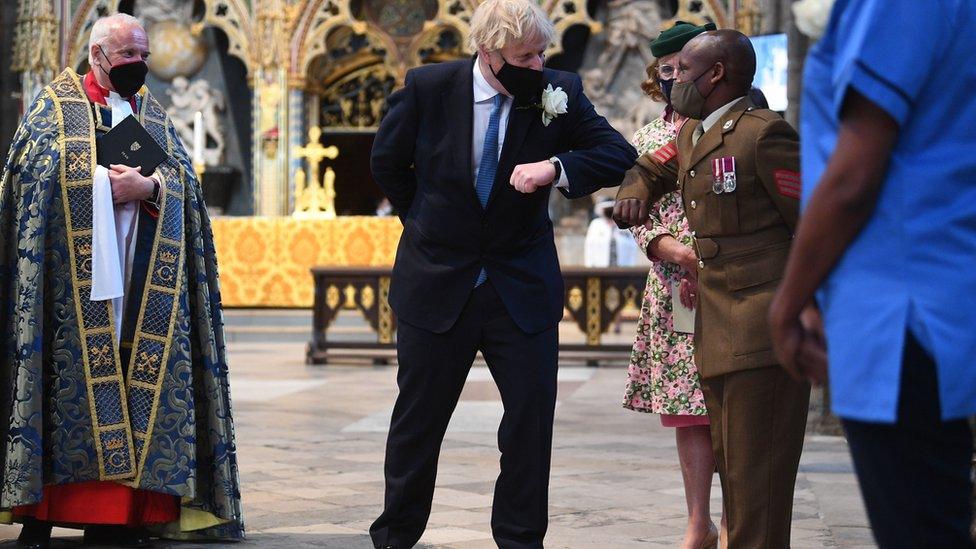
{"x": 914, "y": 264}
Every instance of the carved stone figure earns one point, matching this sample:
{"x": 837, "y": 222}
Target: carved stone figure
{"x": 612, "y": 78}
{"x": 177, "y": 50}
{"x": 188, "y": 98}
{"x": 154, "y": 11}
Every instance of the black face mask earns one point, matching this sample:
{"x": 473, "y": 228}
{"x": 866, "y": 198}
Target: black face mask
{"x": 523, "y": 83}
{"x": 666, "y": 86}
{"x": 127, "y": 79}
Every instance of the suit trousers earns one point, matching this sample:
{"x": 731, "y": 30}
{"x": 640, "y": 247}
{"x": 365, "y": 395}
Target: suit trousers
{"x": 758, "y": 419}
{"x": 432, "y": 371}
{"x": 915, "y": 474}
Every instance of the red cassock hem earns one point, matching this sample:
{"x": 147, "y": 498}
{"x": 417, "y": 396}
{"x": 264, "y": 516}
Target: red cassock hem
{"x": 102, "y": 502}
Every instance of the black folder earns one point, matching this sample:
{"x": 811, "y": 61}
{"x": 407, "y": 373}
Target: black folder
{"x": 129, "y": 143}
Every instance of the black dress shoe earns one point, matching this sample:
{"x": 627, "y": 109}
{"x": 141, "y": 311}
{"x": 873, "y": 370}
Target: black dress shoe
{"x": 117, "y": 536}
{"x": 141, "y": 538}
{"x": 33, "y": 545}
{"x": 35, "y": 534}
{"x": 138, "y": 537}
{"x": 97, "y": 535}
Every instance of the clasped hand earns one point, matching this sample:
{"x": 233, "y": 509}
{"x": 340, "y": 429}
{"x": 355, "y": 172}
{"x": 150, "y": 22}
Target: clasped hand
{"x": 799, "y": 342}
{"x": 527, "y": 178}
{"x": 630, "y": 212}
{"x": 688, "y": 291}
{"x": 128, "y": 185}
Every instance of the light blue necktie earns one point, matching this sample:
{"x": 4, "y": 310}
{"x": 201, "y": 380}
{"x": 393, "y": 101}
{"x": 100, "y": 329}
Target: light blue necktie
{"x": 488, "y": 166}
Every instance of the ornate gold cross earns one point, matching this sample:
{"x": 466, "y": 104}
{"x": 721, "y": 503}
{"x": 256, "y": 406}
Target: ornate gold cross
{"x": 313, "y": 199}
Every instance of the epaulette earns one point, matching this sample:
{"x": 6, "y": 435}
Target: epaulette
{"x": 763, "y": 114}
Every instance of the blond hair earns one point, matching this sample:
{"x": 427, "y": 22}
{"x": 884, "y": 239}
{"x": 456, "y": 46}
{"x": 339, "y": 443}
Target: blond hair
{"x": 498, "y": 23}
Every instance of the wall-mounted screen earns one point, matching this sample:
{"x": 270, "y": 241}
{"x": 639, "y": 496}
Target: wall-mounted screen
{"x": 771, "y": 61}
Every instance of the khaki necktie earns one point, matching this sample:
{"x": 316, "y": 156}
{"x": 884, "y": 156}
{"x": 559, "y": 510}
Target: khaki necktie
{"x": 697, "y": 134}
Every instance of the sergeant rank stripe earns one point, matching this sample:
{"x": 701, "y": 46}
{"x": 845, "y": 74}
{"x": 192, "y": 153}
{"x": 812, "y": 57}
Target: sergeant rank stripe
{"x": 665, "y": 153}
{"x": 787, "y": 183}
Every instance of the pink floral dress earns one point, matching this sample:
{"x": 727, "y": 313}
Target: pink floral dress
{"x": 662, "y": 377}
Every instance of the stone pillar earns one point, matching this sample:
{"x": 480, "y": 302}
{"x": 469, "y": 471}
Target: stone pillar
{"x": 277, "y": 105}
{"x": 10, "y": 109}
{"x": 296, "y": 138}
{"x": 279, "y": 114}
{"x": 36, "y": 43}
{"x": 270, "y": 142}
{"x": 797, "y": 47}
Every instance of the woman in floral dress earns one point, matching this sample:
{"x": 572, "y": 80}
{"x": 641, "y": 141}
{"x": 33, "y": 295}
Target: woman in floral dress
{"x": 662, "y": 377}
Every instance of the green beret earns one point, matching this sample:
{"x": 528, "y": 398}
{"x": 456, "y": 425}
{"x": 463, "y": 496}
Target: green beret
{"x": 675, "y": 38}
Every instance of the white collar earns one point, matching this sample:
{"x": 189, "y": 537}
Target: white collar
{"x": 120, "y": 106}
{"x": 711, "y": 119}
{"x": 482, "y": 89}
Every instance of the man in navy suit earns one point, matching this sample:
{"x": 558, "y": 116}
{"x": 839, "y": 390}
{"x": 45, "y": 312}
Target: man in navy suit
{"x": 468, "y": 153}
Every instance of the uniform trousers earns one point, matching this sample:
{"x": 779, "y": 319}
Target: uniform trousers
{"x": 758, "y": 419}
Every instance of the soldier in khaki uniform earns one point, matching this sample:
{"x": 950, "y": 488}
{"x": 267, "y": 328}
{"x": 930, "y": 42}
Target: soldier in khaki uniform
{"x": 737, "y": 173}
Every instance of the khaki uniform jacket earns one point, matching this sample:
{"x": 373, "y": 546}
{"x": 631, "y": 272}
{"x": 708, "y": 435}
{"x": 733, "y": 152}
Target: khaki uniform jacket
{"x": 742, "y": 237}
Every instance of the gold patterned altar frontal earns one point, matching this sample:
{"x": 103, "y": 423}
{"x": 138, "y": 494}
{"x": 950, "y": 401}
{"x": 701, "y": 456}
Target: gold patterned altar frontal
{"x": 265, "y": 261}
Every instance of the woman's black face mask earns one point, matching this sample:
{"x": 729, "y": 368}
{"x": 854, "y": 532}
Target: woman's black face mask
{"x": 666, "y": 86}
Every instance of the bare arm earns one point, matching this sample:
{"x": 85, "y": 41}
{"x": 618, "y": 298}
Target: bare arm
{"x": 658, "y": 244}
{"x": 667, "y": 248}
{"x": 838, "y": 209}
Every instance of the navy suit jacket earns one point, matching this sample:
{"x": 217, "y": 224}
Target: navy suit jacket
{"x": 421, "y": 159}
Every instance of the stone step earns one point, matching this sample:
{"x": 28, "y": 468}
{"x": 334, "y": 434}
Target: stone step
{"x": 289, "y": 326}
{"x": 295, "y": 326}
{"x": 268, "y": 317}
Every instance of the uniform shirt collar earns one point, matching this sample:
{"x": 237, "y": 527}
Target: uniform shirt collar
{"x": 711, "y": 119}
{"x": 482, "y": 89}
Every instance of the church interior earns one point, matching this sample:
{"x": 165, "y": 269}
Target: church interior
{"x": 278, "y": 102}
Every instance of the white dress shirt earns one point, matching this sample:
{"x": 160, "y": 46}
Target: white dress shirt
{"x": 484, "y": 96}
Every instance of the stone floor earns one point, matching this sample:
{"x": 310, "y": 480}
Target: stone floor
{"x": 311, "y": 451}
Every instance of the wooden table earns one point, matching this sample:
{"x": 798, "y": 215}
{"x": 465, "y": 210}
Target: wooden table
{"x": 594, "y": 297}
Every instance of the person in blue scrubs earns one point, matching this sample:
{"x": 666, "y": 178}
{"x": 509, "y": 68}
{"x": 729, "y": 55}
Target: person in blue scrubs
{"x": 887, "y": 246}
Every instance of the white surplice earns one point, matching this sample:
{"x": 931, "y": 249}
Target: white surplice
{"x": 113, "y": 233}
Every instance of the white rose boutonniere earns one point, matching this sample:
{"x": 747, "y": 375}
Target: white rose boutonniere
{"x": 812, "y": 16}
{"x": 554, "y": 103}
